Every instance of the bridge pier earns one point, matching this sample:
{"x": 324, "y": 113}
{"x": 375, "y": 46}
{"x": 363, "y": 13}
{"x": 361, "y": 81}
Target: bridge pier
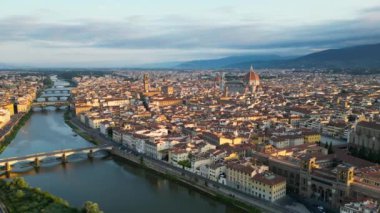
{"x": 64, "y": 158}
{"x": 8, "y": 167}
{"x": 37, "y": 162}
{"x": 90, "y": 154}
{"x": 43, "y": 108}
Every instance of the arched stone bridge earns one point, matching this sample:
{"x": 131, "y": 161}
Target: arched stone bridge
{"x": 58, "y": 90}
{"x": 48, "y": 97}
{"x": 7, "y": 163}
{"x": 50, "y": 103}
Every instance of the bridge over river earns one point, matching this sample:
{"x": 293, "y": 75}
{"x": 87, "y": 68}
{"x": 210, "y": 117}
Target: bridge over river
{"x": 36, "y": 159}
{"x": 93, "y": 180}
{"x": 57, "y": 90}
{"x": 50, "y": 103}
{"x": 56, "y": 96}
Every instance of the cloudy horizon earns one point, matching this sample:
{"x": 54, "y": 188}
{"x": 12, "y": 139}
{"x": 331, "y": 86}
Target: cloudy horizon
{"x": 114, "y": 33}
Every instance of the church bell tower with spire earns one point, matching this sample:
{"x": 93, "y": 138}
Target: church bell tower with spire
{"x": 146, "y": 83}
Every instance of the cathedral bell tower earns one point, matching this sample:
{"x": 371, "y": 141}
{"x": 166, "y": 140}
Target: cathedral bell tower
{"x": 146, "y": 83}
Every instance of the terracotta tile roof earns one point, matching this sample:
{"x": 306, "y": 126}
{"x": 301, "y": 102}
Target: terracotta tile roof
{"x": 371, "y": 125}
{"x": 269, "y": 178}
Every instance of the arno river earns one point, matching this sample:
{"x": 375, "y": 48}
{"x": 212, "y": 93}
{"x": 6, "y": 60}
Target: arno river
{"x": 116, "y": 185}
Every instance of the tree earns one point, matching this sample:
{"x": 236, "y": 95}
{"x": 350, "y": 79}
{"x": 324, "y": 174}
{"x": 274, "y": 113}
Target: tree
{"x": 185, "y": 163}
{"x": 110, "y": 132}
{"x": 353, "y": 151}
{"x": 362, "y": 152}
{"x": 371, "y": 155}
{"x": 330, "y": 149}
{"x": 19, "y": 182}
{"x": 19, "y": 194}
{"x": 91, "y": 207}
{"x": 378, "y": 157}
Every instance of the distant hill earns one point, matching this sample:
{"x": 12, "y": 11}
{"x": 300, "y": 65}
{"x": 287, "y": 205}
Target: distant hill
{"x": 160, "y": 65}
{"x": 364, "y": 56}
{"x": 227, "y": 61}
{"x": 5, "y": 66}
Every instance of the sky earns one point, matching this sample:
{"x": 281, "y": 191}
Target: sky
{"x": 124, "y": 33}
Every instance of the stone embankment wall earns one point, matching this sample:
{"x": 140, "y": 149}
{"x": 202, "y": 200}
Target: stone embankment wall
{"x": 202, "y": 184}
{"x": 10, "y": 130}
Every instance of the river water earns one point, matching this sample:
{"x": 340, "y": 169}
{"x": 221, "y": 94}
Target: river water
{"x": 113, "y": 183}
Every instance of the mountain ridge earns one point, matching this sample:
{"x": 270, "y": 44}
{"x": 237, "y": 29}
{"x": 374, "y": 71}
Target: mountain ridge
{"x": 361, "y": 56}
{"x": 226, "y": 61}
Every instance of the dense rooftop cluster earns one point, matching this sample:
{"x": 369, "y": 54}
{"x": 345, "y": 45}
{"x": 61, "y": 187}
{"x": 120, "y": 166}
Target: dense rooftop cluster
{"x": 283, "y": 130}
{"x": 17, "y": 92}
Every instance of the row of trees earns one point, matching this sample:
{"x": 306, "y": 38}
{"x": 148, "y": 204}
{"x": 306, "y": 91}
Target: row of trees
{"x": 364, "y": 153}
{"x": 18, "y": 196}
{"x": 329, "y": 148}
{"x": 47, "y": 82}
{"x": 185, "y": 163}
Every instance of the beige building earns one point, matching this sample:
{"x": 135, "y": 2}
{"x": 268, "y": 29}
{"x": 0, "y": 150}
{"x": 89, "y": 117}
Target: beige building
{"x": 23, "y": 106}
{"x": 167, "y": 90}
{"x": 215, "y": 170}
{"x": 116, "y": 102}
{"x": 166, "y": 102}
{"x": 256, "y": 181}
{"x": 177, "y": 155}
{"x": 79, "y": 108}
{"x": 8, "y": 106}
{"x": 268, "y": 186}
{"x": 219, "y": 139}
{"x": 5, "y": 117}
{"x": 312, "y": 137}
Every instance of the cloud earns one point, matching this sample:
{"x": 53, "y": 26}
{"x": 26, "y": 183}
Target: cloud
{"x": 181, "y": 33}
{"x": 178, "y": 35}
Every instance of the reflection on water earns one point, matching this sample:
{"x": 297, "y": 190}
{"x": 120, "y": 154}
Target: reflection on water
{"x": 116, "y": 185}
{"x": 44, "y": 131}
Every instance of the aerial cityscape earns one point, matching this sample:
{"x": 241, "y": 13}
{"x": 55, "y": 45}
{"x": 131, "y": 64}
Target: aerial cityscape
{"x": 219, "y": 106}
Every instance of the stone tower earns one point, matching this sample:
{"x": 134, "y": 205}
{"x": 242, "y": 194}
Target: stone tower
{"x": 146, "y": 83}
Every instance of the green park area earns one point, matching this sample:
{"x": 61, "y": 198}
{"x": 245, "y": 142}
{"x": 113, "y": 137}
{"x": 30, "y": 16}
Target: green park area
{"x": 19, "y": 197}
